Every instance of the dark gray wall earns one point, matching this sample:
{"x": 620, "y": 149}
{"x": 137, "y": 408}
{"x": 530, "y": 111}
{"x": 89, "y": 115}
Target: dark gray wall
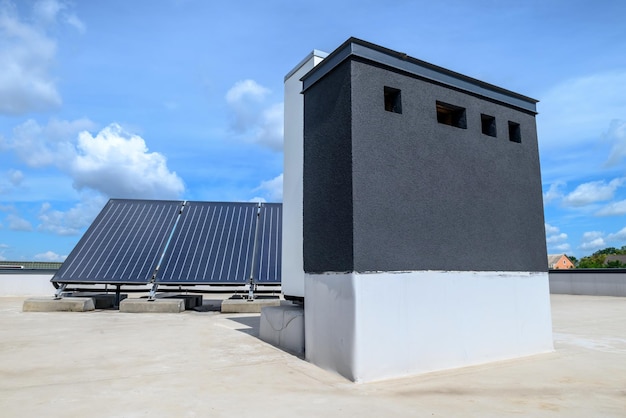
{"x": 327, "y": 194}
{"x": 425, "y": 196}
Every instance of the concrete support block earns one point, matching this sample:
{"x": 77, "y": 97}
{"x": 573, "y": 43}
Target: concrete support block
{"x": 152, "y": 306}
{"x": 247, "y": 306}
{"x": 283, "y": 327}
{"x": 191, "y": 301}
{"x": 101, "y": 300}
{"x": 58, "y": 305}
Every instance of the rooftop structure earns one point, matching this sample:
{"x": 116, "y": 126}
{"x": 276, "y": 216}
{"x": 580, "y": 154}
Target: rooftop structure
{"x": 421, "y": 190}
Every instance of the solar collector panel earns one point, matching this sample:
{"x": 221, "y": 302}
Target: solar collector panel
{"x": 269, "y": 242}
{"x": 213, "y": 243}
{"x": 123, "y": 245}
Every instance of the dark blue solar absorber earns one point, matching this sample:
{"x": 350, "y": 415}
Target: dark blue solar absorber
{"x": 213, "y": 244}
{"x": 269, "y": 244}
{"x": 123, "y": 245}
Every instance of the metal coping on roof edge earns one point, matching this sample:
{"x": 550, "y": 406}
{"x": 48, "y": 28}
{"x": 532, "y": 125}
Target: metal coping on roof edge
{"x": 357, "y": 48}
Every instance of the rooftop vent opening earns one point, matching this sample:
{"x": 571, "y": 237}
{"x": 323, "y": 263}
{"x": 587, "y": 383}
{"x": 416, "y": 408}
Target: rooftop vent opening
{"x": 393, "y": 100}
{"x": 452, "y": 115}
{"x": 488, "y": 124}
{"x": 515, "y": 134}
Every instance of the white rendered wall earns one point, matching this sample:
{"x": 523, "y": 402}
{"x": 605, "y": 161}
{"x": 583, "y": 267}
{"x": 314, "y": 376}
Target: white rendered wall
{"x": 29, "y": 284}
{"x": 292, "y": 262}
{"x": 375, "y": 326}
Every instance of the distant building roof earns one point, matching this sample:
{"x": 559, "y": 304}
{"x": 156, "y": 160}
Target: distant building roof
{"x": 559, "y": 261}
{"x": 553, "y": 258}
{"x": 615, "y": 257}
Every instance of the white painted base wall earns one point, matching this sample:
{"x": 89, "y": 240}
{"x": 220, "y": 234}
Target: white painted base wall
{"x": 375, "y": 326}
{"x": 20, "y": 284}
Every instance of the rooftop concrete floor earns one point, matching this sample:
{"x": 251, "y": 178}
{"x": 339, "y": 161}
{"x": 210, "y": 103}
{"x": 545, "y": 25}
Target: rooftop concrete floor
{"x": 107, "y": 363}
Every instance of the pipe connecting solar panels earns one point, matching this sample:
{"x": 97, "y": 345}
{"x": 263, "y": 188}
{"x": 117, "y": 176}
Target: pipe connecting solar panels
{"x": 175, "y": 242}
{"x": 123, "y": 245}
{"x": 213, "y": 243}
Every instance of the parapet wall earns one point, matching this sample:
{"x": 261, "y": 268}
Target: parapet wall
{"x": 593, "y": 282}
{"x": 26, "y": 283}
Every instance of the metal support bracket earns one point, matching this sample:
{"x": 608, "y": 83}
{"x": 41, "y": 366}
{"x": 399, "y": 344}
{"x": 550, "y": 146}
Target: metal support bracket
{"x": 251, "y": 290}
{"x": 153, "y": 290}
{"x": 61, "y": 289}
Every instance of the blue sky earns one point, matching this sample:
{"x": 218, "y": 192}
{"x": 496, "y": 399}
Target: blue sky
{"x": 182, "y": 99}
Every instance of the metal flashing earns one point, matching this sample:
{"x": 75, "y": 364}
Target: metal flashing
{"x": 314, "y": 53}
{"x": 398, "y": 61}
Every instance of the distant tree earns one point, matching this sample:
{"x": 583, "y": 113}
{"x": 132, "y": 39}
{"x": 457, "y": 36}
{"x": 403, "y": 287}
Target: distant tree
{"x": 597, "y": 259}
{"x": 608, "y": 250}
{"x": 594, "y": 261}
{"x": 573, "y": 259}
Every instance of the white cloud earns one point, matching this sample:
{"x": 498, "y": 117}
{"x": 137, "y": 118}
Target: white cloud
{"x": 593, "y": 240}
{"x": 246, "y": 89}
{"x": 52, "y": 144}
{"x": 254, "y": 120}
{"x": 16, "y": 223}
{"x": 16, "y": 177}
{"x": 563, "y": 247}
{"x": 74, "y": 21}
{"x": 617, "y": 134}
{"x": 554, "y": 192}
{"x": 72, "y": 221}
{"x": 550, "y": 230}
{"x": 618, "y": 236}
{"x": 613, "y": 209}
{"x": 50, "y": 256}
{"x": 271, "y": 127}
{"x": 11, "y": 180}
{"x": 272, "y": 189}
{"x": 114, "y": 162}
{"x": 578, "y": 110}
{"x": 553, "y": 239}
{"x": 595, "y": 191}
{"x": 47, "y": 10}
{"x": 28, "y": 54}
{"x": 118, "y": 164}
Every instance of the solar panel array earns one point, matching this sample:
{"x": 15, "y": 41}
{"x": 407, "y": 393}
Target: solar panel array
{"x": 213, "y": 242}
{"x": 269, "y": 247}
{"x": 123, "y": 244}
{"x": 175, "y": 242}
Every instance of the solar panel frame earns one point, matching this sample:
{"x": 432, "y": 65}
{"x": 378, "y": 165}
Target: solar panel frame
{"x": 123, "y": 245}
{"x": 269, "y": 244}
{"x": 213, "y": 244}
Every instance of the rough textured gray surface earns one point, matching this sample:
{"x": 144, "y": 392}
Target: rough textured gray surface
{"x": 327, "y": 210}
{"x": 423, "y": 195}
